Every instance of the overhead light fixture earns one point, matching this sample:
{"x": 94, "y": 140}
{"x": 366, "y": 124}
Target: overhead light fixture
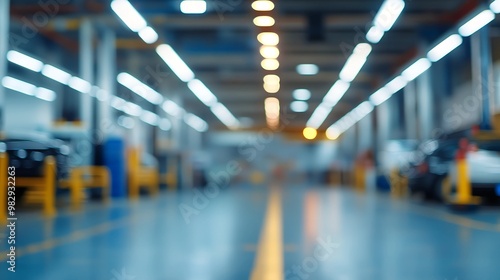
{"x": 416, "y": 69}
{"x": 139, "y": 88}
{"x": 269, "y": 51}
{"x": 263, "y": 21}
{"x": 126, "y": 122}
{"x": 118, "y": 103}
{"x": 375, "y": 34}
{"x": 202, "y": 92}
{"x": 388, "y": 14}
{"x": 56, "y": 74}
{"x": 271, "y": 79}
{"x": 352, "y": 68}
{"x": 396, "y": 84}
{"x": 362, "y": 110}
{"x": 332, "y": 133}
{"x": 25, "y": 61}
{"x": 149, "y": 117}
{"x": 299, "y": 106}
{"x": 80, "y": 85}
{"x": 132, "y": 109}
{"x": 445, "y": 47}
{"x": 129, "y": 15}
{"x": 268, "y": 38}
{"x": 45, "y": 94}
{"x": 272, "y": 88}
{"x": 172, "y": 108}
{"x": 225, "y": 116}
{"x": 362, "y": 49}
{"x": 175, "y": 63}
{"x": 380, "y": 96}
{"x": 196, "y": 122}
{"x": 302, "y": 94}
{"x": 272, "y": 107}
{"x": 193, "y": 6}
{"x": 310, "y": 133}
{"x": 319, "y": 115}
{"x": 307, "y": 69}
{"x": 270, "y": 64}
{"x": 18, "y": 85}
{"x": 148, "y": 35}
{"x": 165, "y": 125}
{"x": 495, "y": 6}
{"x": 263, "y": 5}
{"x": 336, "y": 93}
{"x": 476, "y": 23}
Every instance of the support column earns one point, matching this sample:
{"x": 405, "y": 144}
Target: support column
{"x": 425, "y": 105}
{"x": 383, "y": 112}
{"x": 410, "y": 100}
{"x": 4, "y": 45}
{"x": 481, "y": 73}
{"x": 106, "y": 80}
{"x": 87, "y": 73}
{"x": 365, "y": 133}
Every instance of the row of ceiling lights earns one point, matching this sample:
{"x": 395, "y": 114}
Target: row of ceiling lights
{"x": 129, "y": 15}
{"x": 481, "y": 18}
{"x": 270, "y": 52}
{"x": 77, "y": 84}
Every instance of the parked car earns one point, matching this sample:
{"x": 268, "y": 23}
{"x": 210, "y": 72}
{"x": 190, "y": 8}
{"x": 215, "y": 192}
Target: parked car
{"x": 428, "y": 174}
{"x": 27, "y": 155}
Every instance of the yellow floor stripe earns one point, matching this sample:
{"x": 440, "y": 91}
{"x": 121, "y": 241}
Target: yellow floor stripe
{"x": 269, "y": 258}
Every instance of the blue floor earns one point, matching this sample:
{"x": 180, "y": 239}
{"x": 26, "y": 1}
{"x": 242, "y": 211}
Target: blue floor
{"x": 327, "y": 234}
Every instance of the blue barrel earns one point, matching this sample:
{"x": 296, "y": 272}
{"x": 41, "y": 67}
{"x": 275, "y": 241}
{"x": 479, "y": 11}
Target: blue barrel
{"x": 114, "y": 159}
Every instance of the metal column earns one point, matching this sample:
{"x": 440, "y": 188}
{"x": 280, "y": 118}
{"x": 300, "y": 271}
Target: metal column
{"x": 383, "y": 112}
{"x": 481, "y": 73}
{"x": 87, "y": 73}
{"x": 107, "y": 76}
{"x": 410, "y": 101}
{"x": 4, "y": 45}
{"x": 365, "y": 134}
{"x": 425, "y": 105}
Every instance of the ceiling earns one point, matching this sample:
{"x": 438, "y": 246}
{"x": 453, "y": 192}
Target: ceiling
{"x": 221, "y": 47}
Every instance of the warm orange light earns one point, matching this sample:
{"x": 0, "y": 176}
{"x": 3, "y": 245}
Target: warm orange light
{"x": 272, "y": 88}
{"x": 269, "y": 52}
{"x": 270, "y": 64}
{"x": 263, "y": 5}
{"x": 271, "y": 79}
{"x": 268, "y": 38}
{"x": 263, "y": 21}
{"x": 310, "y": 133}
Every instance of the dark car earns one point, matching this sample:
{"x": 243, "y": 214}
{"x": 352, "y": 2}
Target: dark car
{"x": 27, "y": 155}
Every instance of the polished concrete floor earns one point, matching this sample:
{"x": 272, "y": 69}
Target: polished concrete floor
{"x": 326, "y": 233}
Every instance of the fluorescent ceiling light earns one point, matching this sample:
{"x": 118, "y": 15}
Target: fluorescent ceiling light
{"x": 495, "y": 6}
{"x": 148, "y": 35}
{"x": 56, "y": 74}
{"x": 139, "y": 88}
{"x": 129, "y": 15}
{"x": 263, "y": 5}
{"x": 193, "y": 7}
{"x": 175, "y": 62}
{"x": 445, "y": 47}
{"x": 263, "y": 21}
{"x": 196, "y": 122}
{"x": 132, "y": 109}
{"x": 363, "y": 110}
{"x": 380, "y": 96}
{"x": 352, "y": 67}
{"x": 416, "y": 69}
{"x": 362, "y": 49}
{"x": 299, "y": 106}
{"x": 118, "y": 103}
{"x": 332, "y": 133}
{"x": 202, "y": 92}
{"x": 126, "y": 122}
{"x": 18, "y": 85}
{"x": 388, "y": 14}
{"x": 149, "y": 117}
{"x": 269, "y": 52}
{"x": 272, "y": 107}
{"x": 476, "y": 23}
{"x": 172, "y": 108}
{"x": 25, "y": 61}
{"x": 270, "y": 64}
{"x": 375, "y": 34}
{"x": 336, "y": 92}
{"x": 45, "y": 94}
{"x": 80, "y": 85}
{"x": 396, "y": 84}
{"x": 307, "y": 69}
{"x": 319, "y": 116}
{"x": 302, "y": 94}
{"x": 165, "y": 125}
{"x": 272, "y": 88}
{"x": 271, "y": 79}
{"x": 223, "y": 114}
{"x": 268, "y": 38}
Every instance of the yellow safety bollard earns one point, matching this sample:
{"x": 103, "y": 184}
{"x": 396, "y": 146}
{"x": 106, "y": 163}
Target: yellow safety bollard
{"x": 464, "y": 198}
{"x": 49, "y": 208}
{"x": 4, "y": 162}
